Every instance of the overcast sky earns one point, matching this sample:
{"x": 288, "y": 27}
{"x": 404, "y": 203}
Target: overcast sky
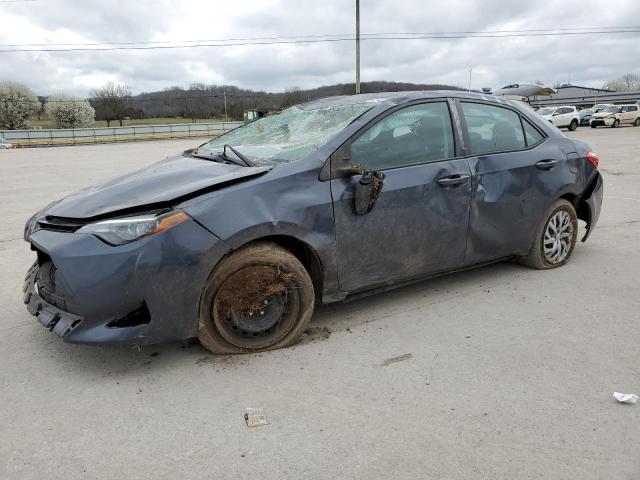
{"x": 588, "y": 60}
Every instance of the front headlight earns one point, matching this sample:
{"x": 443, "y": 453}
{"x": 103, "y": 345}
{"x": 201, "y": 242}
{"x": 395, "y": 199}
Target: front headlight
{"x": 119, "y": 231}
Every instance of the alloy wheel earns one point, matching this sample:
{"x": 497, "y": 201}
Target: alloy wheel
{"x": 558, "y": 237}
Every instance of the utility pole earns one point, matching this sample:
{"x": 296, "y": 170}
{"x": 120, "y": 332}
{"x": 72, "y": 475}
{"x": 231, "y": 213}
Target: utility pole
{"x": 470, "y": 70}
{"x": 357, "y": 47}
{"x": 226, "y": 118}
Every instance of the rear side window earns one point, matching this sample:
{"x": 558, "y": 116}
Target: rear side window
{"x": 413, "y": 135}
{"x": 492, "y": 129}
{"x": 532, "y": 135}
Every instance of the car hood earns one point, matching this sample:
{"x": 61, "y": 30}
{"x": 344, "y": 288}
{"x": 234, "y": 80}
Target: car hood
{"x": 602, "y": 115}
{"x": 156, "y": 186}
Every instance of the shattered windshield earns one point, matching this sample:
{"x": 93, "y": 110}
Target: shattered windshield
{"x": 611, "y": 109}
{"x": 288, "y": 135}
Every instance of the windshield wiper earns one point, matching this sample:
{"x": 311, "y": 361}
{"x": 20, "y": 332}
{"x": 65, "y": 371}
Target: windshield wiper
{"x": 245, "y": 161}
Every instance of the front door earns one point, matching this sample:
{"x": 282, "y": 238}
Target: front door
{"x": 418, "y": 225}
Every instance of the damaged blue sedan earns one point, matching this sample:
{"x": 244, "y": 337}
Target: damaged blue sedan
{"x": 236, "y": 241}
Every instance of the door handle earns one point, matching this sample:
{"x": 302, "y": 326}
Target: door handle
{"x": 453, "y": 180}
{"x": 546, "y": 164}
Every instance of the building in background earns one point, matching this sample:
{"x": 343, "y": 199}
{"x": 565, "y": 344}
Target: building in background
{"x": 583, "y": 97}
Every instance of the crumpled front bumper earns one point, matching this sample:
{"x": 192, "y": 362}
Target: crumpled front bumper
{"x": 58, "y": 321}
{"x": 101, "y": 284}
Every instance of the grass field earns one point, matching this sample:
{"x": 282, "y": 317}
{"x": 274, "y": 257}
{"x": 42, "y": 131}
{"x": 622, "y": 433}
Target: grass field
{"x": 45, "y": 123}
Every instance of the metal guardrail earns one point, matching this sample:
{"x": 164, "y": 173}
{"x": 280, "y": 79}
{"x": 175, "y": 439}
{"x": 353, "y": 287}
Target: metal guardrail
{"x": 75, "y": 136}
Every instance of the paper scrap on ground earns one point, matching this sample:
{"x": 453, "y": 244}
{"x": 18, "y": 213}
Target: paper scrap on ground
{"x": 625, "y": 397}
{"x": 255, "y": 417}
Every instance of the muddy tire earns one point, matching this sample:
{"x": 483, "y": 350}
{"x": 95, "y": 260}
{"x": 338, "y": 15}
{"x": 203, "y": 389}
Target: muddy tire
{"x": 258, "y": 298}
{"x": 554, "y": 239}
{"x": 616, "y": 124}
{"x": 573, "y": 125}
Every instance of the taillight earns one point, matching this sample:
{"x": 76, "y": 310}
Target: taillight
{"x": 593, "y": 159}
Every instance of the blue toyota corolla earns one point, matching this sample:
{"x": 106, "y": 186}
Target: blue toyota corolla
{"x": 236, "y": 241}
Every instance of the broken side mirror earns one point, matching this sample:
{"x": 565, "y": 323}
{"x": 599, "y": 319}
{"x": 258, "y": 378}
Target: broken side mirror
{"x": 367, "y": 191}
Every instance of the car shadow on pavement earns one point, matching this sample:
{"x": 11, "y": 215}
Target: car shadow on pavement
{"x": 337, "y": 318}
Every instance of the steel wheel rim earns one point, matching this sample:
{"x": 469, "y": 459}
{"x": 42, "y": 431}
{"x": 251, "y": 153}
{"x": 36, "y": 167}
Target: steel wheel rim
{"x": 259, "y": 328}
{"x": 558, "y": 237}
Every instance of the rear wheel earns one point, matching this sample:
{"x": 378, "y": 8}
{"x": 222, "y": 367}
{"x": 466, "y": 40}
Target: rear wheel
{"x": 573, "y": 125}
{"x": 616, "y": 123}
{"x": 259, "y": 298}
{"x": 555, "y": 238}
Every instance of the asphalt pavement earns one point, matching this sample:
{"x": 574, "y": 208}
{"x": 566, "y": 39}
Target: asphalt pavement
{"x": 496, "y": 373}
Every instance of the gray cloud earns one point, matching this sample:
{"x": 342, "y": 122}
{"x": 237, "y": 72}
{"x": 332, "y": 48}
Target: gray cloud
{"x": 589, "y": 59}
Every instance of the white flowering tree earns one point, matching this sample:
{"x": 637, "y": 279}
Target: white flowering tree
{"x": 17, "y": 104}
{"x": 69, "y": 112}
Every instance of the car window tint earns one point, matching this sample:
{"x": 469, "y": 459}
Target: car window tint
{"x": 532, "y": 135}
{"x": 492, "y": 128}
{"x": 418, "y": 134}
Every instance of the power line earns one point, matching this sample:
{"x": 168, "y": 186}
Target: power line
{"x": 417, "y": 36}
{"x": 345, "y": 36}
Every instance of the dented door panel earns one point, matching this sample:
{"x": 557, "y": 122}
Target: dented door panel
{"x": 511, "y": 194}
{"x": 416, "y": 227}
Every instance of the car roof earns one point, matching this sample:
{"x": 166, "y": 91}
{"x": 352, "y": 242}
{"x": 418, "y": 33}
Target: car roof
{"x": 394, "y": 98}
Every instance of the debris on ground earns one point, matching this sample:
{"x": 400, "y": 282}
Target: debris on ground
{"x": 312, "y": 334}
{"x": 397, "y": 359}
{"x": 625, "y": 397}
{"x": 255, "y": 417}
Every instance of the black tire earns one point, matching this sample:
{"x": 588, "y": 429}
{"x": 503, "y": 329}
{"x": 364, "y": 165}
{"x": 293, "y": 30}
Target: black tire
{"x": 236, "y": 290}
{"x": 637, "y": 122}
{"x": 593, "y": 126}
{"x": 616, "y": 123}
{"x": 46, "y": 282}
{"x": 536, "y": 257}
{"x": 573, "y": 125}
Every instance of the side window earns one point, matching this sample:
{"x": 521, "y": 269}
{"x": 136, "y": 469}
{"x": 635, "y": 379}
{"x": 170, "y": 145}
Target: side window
{"x": 418, "y": 134}
{"x": 532, "y": 135}
{"x": 492, "y": 128}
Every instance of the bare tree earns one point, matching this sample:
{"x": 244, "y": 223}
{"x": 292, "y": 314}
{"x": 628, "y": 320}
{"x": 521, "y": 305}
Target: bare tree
{"x": 111, "y": 101}
{"x": 626, "y": 83}
{"x": 631, "y": 81}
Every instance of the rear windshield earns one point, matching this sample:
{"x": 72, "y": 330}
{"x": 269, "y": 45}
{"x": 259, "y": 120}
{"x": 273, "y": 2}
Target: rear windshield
{"x": 289, "y": 135}
{"x": 546, "y": 111}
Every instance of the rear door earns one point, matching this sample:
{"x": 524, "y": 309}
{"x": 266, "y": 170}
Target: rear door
{"x": 517, "y": 174}
{"x": 419, "y": 223}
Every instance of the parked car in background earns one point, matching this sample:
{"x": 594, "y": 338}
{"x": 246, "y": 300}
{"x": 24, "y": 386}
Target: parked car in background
{"x": 630, "y": 114}
{"x": 564, "y": 116}
{"x": 616, "y": 115}
{"x": 235, "y": 242}
{"x": 5, "y": 143}
{"x": 585, "y": 116}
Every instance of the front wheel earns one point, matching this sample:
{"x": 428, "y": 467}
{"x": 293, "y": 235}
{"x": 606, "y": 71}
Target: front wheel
{"x": 555, "y": 238}
{"x": 637, "y": 122}
{"x": 593, "y": 126}
{"x": 616, "y": 124}
{"x": 573, "y": 125}
{"x": 259, "y": 298}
